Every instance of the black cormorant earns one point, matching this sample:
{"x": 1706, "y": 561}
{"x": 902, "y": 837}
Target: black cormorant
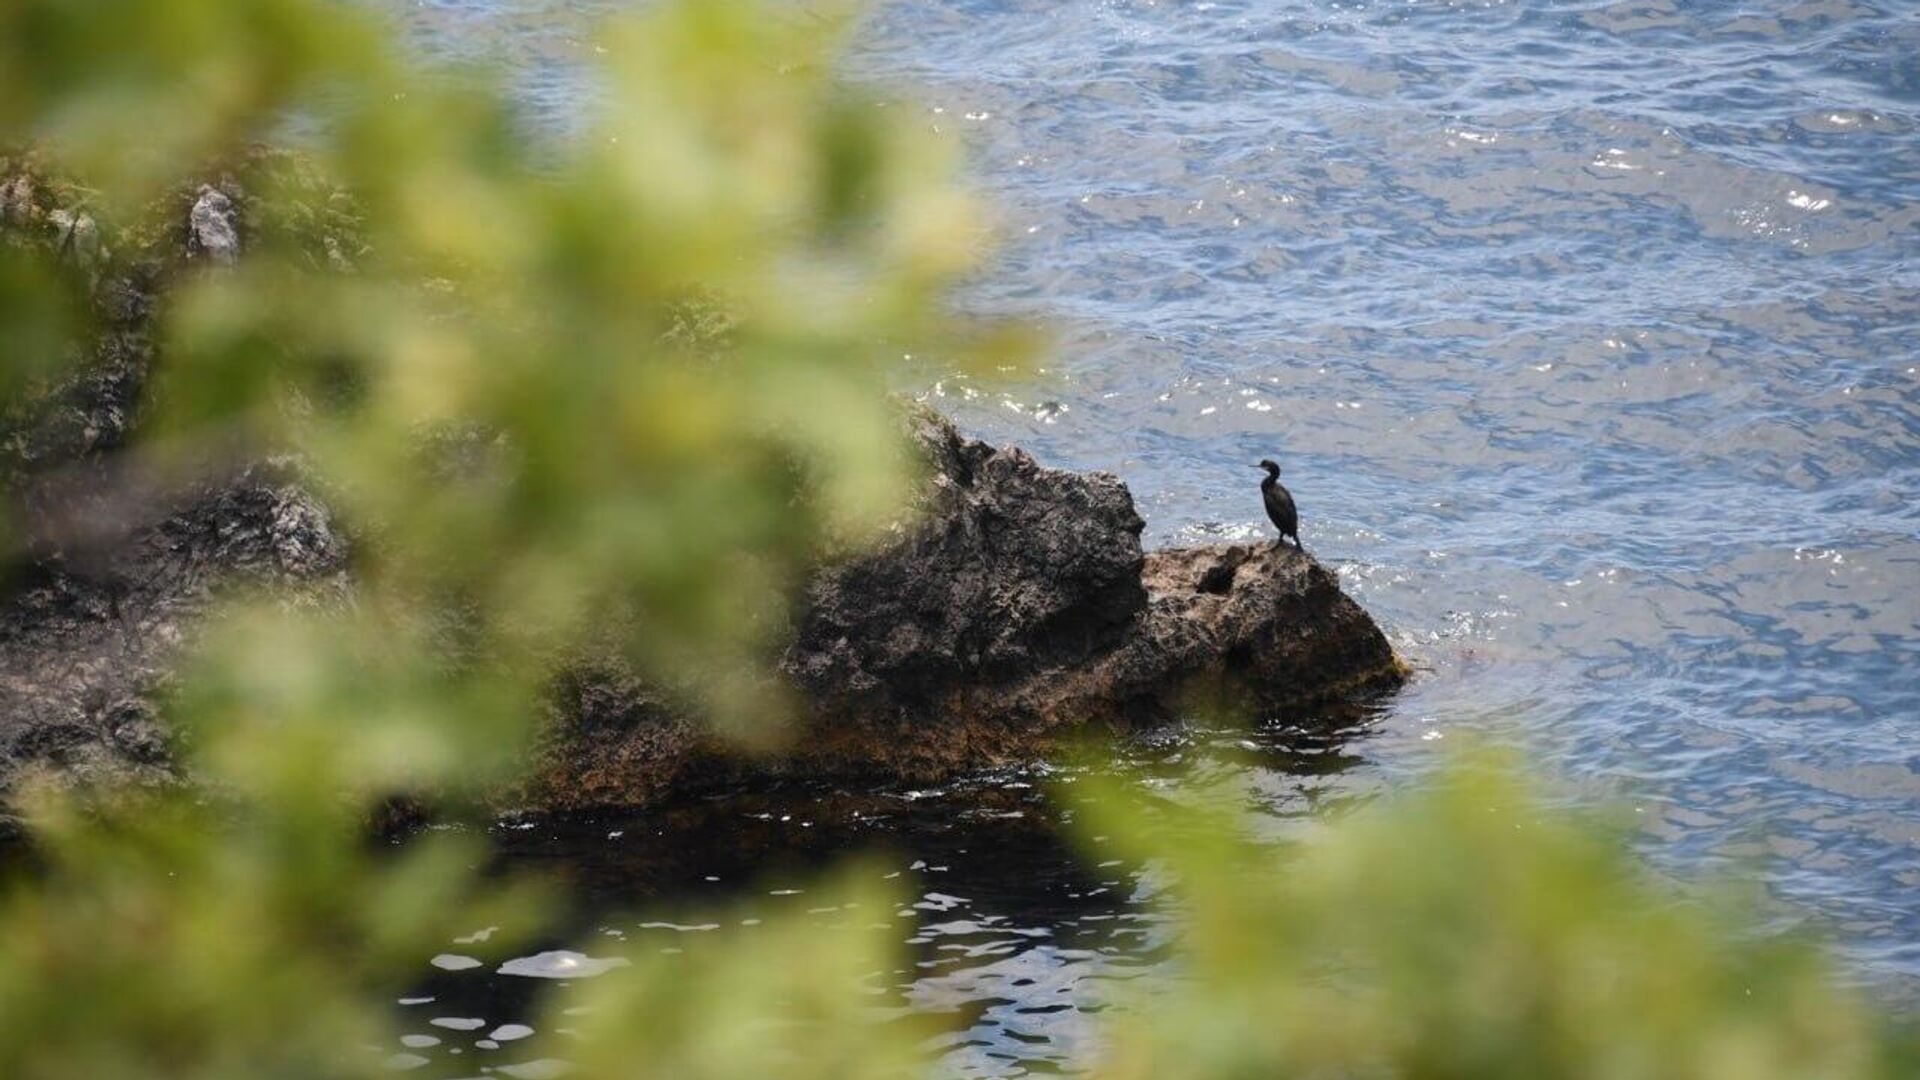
{"x": 1280, "y": 504}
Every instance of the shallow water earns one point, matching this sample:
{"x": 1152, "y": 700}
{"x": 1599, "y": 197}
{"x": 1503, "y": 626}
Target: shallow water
{"x": 1588, "y": 334}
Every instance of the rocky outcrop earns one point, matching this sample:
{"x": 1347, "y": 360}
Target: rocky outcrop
{"x": 1241, "y": 626}
{"x": 1019, "y": 609}
{"x": 86, "y": 643}
{"x": 1015, "y": 571}
{"x": 1016, "y": 607}
{"x": 1024, "y": 605}
{"x": 111, "y": 567}
{"x": 213, "y": 231}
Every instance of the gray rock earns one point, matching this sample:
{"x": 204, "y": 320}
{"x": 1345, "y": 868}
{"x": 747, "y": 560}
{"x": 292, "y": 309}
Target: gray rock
{"x": 88, "y": 636}
{"x": 1017, "y": 569}
{"x": 91, "y": 409}
{"x": 213, "y": 229}
{"x": 1260, "y": 627}
{"x": 76, "y": 236}
{"x": 1024, "y": 608}
{"x": 16, "y": 200}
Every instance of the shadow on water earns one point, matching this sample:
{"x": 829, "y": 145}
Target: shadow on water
{"x": 1014, "y": 925}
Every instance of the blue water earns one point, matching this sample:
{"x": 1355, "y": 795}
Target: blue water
{"x": 1588, "y": 334}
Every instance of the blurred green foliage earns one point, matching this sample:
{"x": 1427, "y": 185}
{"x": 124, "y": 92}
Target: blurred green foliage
{"x": 618, "y": 394}
{"x": 615, "y": 390}
{"x": 1462, "y": 930}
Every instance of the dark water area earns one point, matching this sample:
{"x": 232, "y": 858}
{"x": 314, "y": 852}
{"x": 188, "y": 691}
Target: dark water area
{"x": 1019, "y": 924}
{"x": 1009, "y": 936}
{"x": 1589, "y": 336}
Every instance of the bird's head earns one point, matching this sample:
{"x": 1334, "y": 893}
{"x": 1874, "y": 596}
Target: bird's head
{"x": 1267, "y": 464}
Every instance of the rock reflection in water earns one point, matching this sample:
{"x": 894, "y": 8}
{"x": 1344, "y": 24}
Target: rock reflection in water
{"x": 1012, "y": 934}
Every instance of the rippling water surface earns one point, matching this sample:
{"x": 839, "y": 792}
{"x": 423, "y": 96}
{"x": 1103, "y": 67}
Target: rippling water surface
{"x": 1589, "y": 335}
